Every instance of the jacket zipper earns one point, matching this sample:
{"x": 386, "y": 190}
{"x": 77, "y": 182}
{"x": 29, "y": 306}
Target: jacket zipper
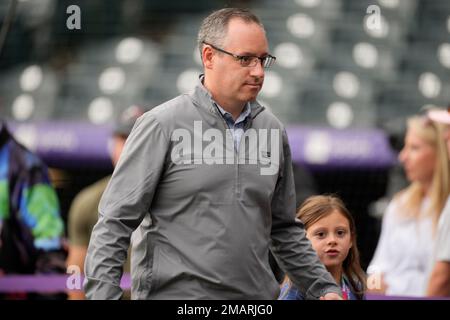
{"x": 236, "y": 154}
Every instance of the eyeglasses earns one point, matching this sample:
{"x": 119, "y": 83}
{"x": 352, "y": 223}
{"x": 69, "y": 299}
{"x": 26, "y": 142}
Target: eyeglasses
{"x": 248, "y": 61}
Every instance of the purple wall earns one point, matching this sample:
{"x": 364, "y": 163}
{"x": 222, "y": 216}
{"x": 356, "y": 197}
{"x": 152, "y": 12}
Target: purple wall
{"x": 320, "y": 147}
{"x": 73, "y": 144}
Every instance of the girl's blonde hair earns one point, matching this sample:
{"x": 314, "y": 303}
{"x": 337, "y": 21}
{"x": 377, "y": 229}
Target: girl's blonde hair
{"x": 432, "y": 133}
{"x": 317, "y": 207}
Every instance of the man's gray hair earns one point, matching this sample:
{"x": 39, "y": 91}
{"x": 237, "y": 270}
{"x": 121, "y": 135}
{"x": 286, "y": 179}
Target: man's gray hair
{"x": 214, "y": 27}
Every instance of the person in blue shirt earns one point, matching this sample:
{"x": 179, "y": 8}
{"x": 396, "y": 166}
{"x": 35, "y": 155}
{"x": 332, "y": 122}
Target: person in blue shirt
{"x": 331, "y": 229}
{"x": 31, "y": 227}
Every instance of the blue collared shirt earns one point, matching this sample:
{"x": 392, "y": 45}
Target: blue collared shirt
{"x": 236, "y": 127}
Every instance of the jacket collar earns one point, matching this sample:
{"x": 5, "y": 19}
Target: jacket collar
{"x": 203, "y": 98}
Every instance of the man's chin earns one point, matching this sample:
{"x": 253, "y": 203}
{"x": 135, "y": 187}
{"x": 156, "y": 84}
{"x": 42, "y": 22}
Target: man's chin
{"x": 250, "y": 97}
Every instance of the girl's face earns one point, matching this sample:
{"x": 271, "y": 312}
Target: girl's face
{"x": 418, "y": 158}
{"x": 331, "y": 239}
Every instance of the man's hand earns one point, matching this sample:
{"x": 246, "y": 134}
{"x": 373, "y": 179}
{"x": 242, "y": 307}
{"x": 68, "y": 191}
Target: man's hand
{"x": 331, "y": 296}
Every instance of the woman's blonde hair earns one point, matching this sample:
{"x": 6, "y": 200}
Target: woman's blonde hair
{"x": 432, "y": 133}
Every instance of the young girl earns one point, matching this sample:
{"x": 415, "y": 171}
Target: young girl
{"x": 331, "y": 230}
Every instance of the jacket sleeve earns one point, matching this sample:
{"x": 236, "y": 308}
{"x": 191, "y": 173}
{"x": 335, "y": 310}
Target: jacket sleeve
{"x": 123, "y": 206}
{"x": 40, "y": 211}
{"x": 289, "y": 243}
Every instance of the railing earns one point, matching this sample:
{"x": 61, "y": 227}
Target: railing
{"x": 74, "y": 282}
{"x": 48, "y": 283}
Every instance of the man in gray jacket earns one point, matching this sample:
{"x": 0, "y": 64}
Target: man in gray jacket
{"x": 206, "y": 179}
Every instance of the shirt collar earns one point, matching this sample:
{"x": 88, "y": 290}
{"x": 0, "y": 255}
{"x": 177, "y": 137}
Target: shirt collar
{"x": 225, "y": 114}
{"x": 244, "y": 114}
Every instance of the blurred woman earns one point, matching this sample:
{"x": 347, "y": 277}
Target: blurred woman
{"x": 401, "y": 263}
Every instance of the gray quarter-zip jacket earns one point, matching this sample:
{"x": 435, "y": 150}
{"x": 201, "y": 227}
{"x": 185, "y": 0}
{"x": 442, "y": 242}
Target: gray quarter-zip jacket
{"x": 204, "y": 227}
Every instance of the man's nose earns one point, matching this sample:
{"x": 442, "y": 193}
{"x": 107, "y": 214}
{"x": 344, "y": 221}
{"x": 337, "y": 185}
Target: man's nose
{"x": 258, "y": 69}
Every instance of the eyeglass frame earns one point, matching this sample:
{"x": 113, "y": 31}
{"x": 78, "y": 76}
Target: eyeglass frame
{"x": 241, "y": 57}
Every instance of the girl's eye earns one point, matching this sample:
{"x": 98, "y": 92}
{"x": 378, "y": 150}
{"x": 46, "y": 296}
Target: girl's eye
{"x": 320, "y": 235}
{"x": 342, "y": 233}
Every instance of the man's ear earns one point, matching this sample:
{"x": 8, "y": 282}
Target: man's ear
{"x": 207, "y": 57}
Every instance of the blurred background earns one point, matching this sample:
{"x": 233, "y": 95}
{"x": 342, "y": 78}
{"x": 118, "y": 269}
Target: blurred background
{"x": 347, "y": 76}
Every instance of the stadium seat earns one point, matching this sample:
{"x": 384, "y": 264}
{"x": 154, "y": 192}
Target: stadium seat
{"x": 363, "y": 58}
{"x": 338, "y": 99}
{"x": 28, "y": 93}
